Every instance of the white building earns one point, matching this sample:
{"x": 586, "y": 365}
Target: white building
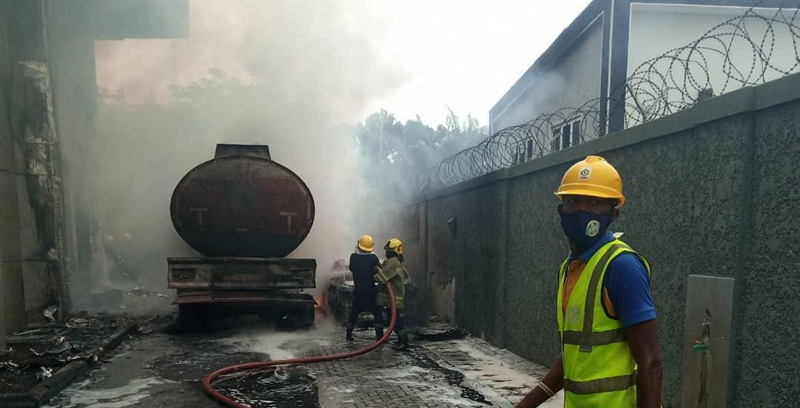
{"x": 610, "y": 39}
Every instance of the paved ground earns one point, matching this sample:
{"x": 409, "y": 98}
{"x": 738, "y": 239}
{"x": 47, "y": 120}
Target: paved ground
{"x": 159, "y": 369}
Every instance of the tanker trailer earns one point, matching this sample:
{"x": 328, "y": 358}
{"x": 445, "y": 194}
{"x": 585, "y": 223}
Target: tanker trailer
{"x": 244, "y": 213}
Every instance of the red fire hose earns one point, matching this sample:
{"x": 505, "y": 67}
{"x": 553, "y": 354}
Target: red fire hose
{"x": 304, "y": 360}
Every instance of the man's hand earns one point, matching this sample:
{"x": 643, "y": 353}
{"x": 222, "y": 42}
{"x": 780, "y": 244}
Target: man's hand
{"x": 643, "y": 341}
{"x": 554, "y": 379}
{"x": 379, "y": 277}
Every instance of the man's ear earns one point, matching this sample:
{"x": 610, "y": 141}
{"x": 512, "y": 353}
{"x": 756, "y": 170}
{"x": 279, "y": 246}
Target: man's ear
{"x": 614, "y": 214}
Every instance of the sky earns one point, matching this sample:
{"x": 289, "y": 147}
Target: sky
{"x": 412, "y": 58}
{"x": 466, "y": 55}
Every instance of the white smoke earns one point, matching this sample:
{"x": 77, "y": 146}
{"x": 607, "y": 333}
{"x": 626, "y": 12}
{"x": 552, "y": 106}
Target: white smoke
{"x": 313, "y": 66}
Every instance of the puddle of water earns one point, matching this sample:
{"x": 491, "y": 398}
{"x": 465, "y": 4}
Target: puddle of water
{"x": 509, "y": 376}
{"x": 277, "y": 345}
{"x": 430, "y": 389}
{"x": 453, "y": 378}
{"x": 180, "y": 367}
{"x": 283, "y": 387}
{"x": 129, "y": 394}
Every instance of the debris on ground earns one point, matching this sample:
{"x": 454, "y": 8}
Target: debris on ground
{"x": 36, "y": 354}
{"x": 452, "y": 333}
{"x": 60, "y": 348}
{"x": 49, "y": 314}
{"x": 439, "y": 331}
{"x": 9, "y": 365}
{"x": 44, "y": 374}
{"x": 139, "y": 300}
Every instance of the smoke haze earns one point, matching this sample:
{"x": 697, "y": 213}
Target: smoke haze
{"x": 299, "y": 70}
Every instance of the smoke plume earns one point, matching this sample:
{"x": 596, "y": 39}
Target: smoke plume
{"x": 297, "y": 71}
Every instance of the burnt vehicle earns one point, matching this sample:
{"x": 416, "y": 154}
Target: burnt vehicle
{"x": 337, "y": 296}
{"x": 244, "y": 213}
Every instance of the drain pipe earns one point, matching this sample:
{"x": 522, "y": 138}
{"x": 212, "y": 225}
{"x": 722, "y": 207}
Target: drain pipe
{"x": 702, "y": 346}
{"x": 227, "y": 401}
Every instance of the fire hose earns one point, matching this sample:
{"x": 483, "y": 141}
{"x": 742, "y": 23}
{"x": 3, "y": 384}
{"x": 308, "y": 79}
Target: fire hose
{"x": 303, "y": 360}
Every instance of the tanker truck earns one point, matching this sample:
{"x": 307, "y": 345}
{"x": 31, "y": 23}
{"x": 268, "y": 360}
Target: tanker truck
{"x": 244, "y": 213}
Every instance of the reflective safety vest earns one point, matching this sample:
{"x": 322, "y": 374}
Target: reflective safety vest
{"x": 395, "y": 273}
{"x": 599, "y": 370}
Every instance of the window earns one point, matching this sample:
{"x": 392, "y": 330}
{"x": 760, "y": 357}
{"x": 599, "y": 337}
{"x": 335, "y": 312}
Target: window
{"x": 530, "y": 149}
{"x": 566, "y": 135}
{"x": 566, "y": 141}
{"x": 522, "y": 151}
{"x": 555, "y": 144}
{"x": 576, "y": 132}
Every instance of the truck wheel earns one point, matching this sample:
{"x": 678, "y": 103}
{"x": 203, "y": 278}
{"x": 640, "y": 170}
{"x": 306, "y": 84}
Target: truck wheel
{"x": 189, "y": 319}
{"x": 302, "y": 316}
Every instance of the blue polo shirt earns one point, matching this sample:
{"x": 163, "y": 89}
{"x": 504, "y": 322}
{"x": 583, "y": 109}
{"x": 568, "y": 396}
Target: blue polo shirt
{"x": 628, "y": 285}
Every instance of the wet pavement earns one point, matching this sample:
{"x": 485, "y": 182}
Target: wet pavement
{"x": 161, "y": 369}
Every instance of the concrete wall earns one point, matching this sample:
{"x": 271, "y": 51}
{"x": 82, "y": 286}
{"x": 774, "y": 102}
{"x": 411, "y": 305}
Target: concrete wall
{"x": 39, "y": 187}
{"x": 29, "y": 183}
{"x": 710, "y": 191}
{"x": 473, "y": 256}
{"x": 407, "y": 224}
{"x": 571, "y": 80}
{"x": 9, "y": 173}
{"x": 47, "y": 76}
{"x": 769, "y": 282}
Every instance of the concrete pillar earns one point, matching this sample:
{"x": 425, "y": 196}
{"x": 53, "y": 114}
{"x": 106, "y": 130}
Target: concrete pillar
{"x": 72, "y": 68}
{"x": 33, "y": 126}
{"x": 39, "y": 187}
{"x": 9, "y": 242}
{"x": 13, "y": 302}
{"x": 2, "y": 321}
{"x": 72, "y": 30}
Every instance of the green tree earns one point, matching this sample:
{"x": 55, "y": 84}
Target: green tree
{"x": 408, "y": 148}
{"x": 216, "y": 89}
{"x": 394, "y": 153}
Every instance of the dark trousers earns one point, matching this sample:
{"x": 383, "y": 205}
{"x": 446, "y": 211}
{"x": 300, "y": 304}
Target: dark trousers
{"x": 364, "y": 301}
{"x": 386, "y": 317}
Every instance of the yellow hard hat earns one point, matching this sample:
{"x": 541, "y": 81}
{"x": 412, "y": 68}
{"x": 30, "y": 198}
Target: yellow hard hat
{"x": 593, "y": 177}
{"x": 366, "y": 243}
{"x": 394, "y": 245}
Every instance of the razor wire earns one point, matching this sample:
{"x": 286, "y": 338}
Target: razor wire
{"x": 718, "y": 62}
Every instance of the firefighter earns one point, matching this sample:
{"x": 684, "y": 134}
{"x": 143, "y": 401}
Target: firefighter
{"x": 610, "y": 355}
{"x": 395, "y": 273}
{"x": 363, "y": 263}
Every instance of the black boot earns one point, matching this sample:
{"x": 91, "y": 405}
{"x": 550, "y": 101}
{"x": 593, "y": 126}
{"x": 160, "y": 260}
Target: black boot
{"x": 402, "y": 341}
{"x": 378, "y": 333}
{"x": 349, "y": 332}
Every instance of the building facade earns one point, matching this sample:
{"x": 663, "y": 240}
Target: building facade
{"x": 48, "y": 228}
{"x": 584, "y": 74}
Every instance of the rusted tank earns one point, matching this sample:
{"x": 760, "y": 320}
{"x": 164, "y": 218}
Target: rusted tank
{"x": 242, "y": 204}
{"x": 245, "y": 213}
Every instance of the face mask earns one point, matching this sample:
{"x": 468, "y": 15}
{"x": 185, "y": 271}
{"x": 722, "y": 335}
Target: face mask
{"x": 584, "y": 228}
